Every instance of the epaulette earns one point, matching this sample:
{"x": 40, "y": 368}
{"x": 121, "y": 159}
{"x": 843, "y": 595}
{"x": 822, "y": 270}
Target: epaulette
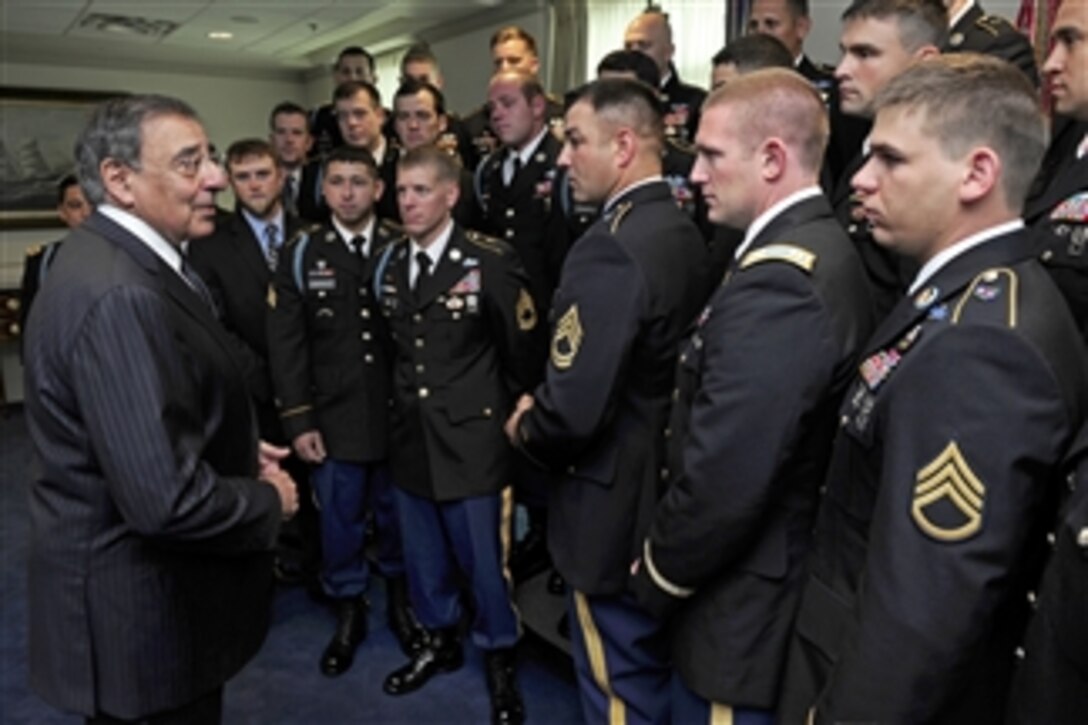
{"x": 618, "y": 215}
{"x": 483, "y": 241}
{"x": 306, "y": 231}
{"x": 789, "y": 253}
{"x": 680, "y": 145}
{"x": 995, "y": 25}
{"x": 386, "y": 233}
{"x": 982, "y": 302}
{"x": 35, "y": 250}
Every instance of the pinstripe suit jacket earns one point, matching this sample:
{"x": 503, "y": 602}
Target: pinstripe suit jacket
{"x": 150, "y": 567}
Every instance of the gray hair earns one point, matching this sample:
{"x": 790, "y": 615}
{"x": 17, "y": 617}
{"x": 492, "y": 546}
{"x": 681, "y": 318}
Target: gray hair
{"x": 114, "y": 132}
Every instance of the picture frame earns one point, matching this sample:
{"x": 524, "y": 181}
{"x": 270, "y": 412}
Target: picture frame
{"x": 38, "y": 130}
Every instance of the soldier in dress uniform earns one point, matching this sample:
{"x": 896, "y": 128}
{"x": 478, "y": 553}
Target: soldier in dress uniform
{"x": 758, "y": 389}
{"x": 650, "y": 33}
{"x": 72, "y": 208}
{"x": 330, "y": 373}
{"x": 1051, "y": 683}
{"x": 1058, "y": 205}
{"x": 948, "y": 458}
{"x": 352, "y": 64}
{"x": 462, "y": 324}
{"x": 420, "y": 63}
{"x": 746, "y": 54}
{"x": 789, "y": 21}
{"x": 973, "y": 30}
{"x": 880, "y": 39}
{"x": 627, "y": 292}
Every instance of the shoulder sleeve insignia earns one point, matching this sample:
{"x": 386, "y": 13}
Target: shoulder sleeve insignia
{"x": 618, "y": 214}
{"x": 992, "y": 285}
{"x": 526, "y": 311}
{"x": 567, "y": 339}
{"x": 948, "y": 497}
{"x": 788, "y": 253}
{"x": 271, "y": 299}
{"x": 992, "y": 24}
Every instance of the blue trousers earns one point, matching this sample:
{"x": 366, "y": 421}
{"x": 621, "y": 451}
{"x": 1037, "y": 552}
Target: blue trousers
{"x": 621, "y": 661}
{"x": 446, "y": 542}
{"x": 342, "y": 490}
{"x": 687, "y": 707}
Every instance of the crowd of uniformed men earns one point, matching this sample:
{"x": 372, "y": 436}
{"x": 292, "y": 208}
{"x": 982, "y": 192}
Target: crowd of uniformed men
{"x": 789, "y": 377}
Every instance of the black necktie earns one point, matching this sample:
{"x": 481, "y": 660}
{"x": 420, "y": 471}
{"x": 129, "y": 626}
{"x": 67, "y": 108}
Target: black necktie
{"x": 424, "y": 261}
{"x": 515, "y": 167}
{"x": 290, "y": 195}
{"x": 198, "y": 286}
{"x": 358, "y": 244}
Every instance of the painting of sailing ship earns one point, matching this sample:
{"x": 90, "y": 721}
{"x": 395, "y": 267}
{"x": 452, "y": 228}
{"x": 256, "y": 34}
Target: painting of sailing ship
{"x": 38, "y": 129}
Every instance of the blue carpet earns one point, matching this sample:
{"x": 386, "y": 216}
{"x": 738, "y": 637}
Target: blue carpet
{"x": 282, "y": 684}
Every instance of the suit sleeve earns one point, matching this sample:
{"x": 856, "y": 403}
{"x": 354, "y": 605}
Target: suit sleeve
{"x": 148, "y": 405}
{"x": 769, "y": 358}
{"x": 289, "y": 351}
{"x": 979, "y": 429}
{"x": 516, "y": 323}
{"x": 598, "y": 310}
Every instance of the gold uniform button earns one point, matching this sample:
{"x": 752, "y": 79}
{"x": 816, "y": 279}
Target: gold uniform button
{"x": 419, "y": 368}
{"x": 417, "y": 317}
{"x": 368, "y": 358}
{"x": 1053, "y": 540}
{"x": 509, "y": 213}
{"x": 419, "y": 342}
{"x": 668, "y": 432}
{"x": 509, "y": 233}
{"x": 366, "y": 336}
{"x": 364, "y": 313}
{"x": 1082, "y": 538}
{"x": 424, "y": 392}
{"x": 487, "y": 412}
{"x": 570, "y": 470}
{"x": 844, "y": 421}
{"x": 1020, "y": 653}
{"x": 664, "y": 474}
{"x": 1047, "y": 255}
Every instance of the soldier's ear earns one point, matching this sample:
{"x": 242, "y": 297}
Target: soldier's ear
{"x": 626, "y": 145}
{"x": 981, "y": 175}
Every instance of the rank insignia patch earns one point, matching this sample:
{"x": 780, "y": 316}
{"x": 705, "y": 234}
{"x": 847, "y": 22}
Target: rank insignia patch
{"x": 567, "y": 339}
{"x": 948, "y": 497}
{"x": 526, "y": 311}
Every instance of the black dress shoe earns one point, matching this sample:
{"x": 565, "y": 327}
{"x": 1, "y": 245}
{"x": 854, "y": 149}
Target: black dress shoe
{"x": 402, "y": 619}
{"x": 350, "y": 631}
{"x": 506, "y": 705}
{"x": 441, "y": 653}
{"x": 556, "y": 585}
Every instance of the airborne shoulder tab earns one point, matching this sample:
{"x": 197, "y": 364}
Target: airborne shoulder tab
{"x": 483, "y": 241}
{"x": 618, "y": 215}
{"x": 789, "y": 253}
{"x": 991, "y": 297}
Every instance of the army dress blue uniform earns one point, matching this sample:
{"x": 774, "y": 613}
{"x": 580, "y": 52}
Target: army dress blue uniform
{"x": 979, "y": 32}
{"x": 940, "y": 485}
{"x": 758, "y": 389}
{"x": 462, "y": 344}
{"x": 627, "y": 293}
{"x": 331, "y": 375}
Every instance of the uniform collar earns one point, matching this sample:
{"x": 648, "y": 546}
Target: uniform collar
{"x": 942, "y": 258}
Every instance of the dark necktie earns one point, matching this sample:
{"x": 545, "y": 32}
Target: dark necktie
{"x": 272, "y": 239}
{"x": 198, "y": 286}
{"x": 424, "y": 261}
{"x": 514, "y": 167}
{"x": 290, "y": 195}
{"x": 358, "y": 244}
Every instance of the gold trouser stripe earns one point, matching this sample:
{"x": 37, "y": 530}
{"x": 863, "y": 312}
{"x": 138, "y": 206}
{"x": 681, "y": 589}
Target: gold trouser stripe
{"x": 720, "y": 714}
{"x": 506, "y": 532}
{"x": 617, "y": 714}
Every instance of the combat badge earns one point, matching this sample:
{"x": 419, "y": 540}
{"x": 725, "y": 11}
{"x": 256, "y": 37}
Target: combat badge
{"x": 526, "y": 311}
{"x": 948, "y": 497}
{"x": 567, "y": 339}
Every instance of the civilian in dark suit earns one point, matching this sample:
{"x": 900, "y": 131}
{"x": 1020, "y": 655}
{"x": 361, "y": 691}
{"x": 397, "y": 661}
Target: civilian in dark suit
{"x": 72, "y": 208}
{"x": 236, "y": 264}
{"x": 330, "y": 372}
{"x": 151, "y": 535}
{"x": 1058, "y": 205}
{"x": 628, "y": 290}
{"x": 973, "y": 30}
{"x": 948, "y": 458}
{"x": 462, "y": 325}
{"x": 759, "y": 385}
{"x": 650, "y": 33}
{"x": 289, "y": 134}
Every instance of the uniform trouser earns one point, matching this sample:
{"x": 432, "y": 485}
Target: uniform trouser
{"x": 688, "y": 707}
{"x": 446, "y": 541}
{"x": 621, "y": 661}
{"x": 342, "y": 490}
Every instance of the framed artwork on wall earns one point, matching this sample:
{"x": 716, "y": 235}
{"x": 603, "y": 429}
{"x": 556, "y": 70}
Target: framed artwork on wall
{"x": 38, "y": 129}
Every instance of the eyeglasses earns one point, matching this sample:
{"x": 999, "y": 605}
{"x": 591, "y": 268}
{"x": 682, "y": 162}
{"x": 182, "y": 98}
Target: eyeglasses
{"x": 189, "y": 165}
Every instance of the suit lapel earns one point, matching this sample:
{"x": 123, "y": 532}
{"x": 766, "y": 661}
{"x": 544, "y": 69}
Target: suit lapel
{"x": 249, "y": 249}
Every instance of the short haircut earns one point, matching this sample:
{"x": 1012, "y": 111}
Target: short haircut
{"x": 286, "y": 108}
{"x": 350, "y": 155}
{"x": 359, "y": 51}
{"x": 780, "y": 103}
{"x": 418, "y": 53}
{"x": 798, "y": 8}
{"x": 528, "y": 84}
{"x": 348, "y": 89}
{"x": 411, "y": 86}
{"x": 970, "y": 100}
{"x": 249, "y": 148}
{"x": 753, "y": 52}
{"x": 920, "y": 22}
{"x": 432, "y": 157}
{"x": 62, "y": 186}
{"x": 115, "y": 131}
{"x": 625, "y": 102}
{"x": 513, "y": 32}
{"x": 631, "y": 61}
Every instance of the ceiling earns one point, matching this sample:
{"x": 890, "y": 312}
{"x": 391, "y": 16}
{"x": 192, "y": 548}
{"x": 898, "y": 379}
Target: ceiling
{"x": 268, "y": 35}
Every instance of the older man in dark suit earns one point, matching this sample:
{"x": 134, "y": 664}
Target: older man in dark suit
{"x": 154, "y": 515}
